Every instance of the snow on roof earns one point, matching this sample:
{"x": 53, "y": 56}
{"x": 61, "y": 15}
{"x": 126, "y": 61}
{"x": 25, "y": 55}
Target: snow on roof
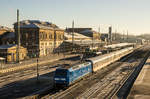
{"x": 37, "y": 24}
{"x": 5, "y": 28}
{"x": 7, "y": 46}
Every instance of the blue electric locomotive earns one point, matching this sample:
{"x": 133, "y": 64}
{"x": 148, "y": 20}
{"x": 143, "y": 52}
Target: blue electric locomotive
{"x": 65, "y": 76}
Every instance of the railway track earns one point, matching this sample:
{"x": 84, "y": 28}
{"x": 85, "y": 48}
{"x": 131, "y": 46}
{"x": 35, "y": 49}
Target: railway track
{"x": 105, "y": 83}
{"x": 8, "y": 82}
{"x": 22, "y": 75}
{"x": 27, "y": 72}
{"x": 110, "y": 85}
{"x": 123, "y": 90}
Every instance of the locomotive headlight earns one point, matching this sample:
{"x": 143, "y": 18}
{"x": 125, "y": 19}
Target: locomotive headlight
{"x": 56, "y": 78}
{"x": 62, "y": 79}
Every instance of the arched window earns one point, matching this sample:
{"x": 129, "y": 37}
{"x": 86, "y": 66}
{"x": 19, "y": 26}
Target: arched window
{"x": 27, "y": 35}
{"x": 50, "y": 36}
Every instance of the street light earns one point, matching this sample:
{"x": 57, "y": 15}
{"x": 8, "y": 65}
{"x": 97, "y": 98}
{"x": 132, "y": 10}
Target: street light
{"x": 37, "y": 56}
{"x": 37, "y": 70}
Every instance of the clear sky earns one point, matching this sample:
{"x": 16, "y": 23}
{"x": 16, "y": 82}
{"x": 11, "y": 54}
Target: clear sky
{"x": 123, "y": 15}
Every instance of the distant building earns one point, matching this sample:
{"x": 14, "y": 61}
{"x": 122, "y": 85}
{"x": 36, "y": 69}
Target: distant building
{"x": 4, "y": 29}
{"x": 9, "y": 52}
{"x": 40, "y": 38}
{"x": 91, "y": 33}
{"x": 86, "y": 32}
{"x": 104, "y": 37}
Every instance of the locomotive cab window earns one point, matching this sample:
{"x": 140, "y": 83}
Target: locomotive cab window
{"x": 71, "y": 74}
{"x": 61, "y": 72}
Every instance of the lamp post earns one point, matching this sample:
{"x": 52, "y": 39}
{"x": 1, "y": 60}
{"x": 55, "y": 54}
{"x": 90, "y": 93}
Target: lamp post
{"x": 37, "y": 70}
{"x": 72, "y": 35}
{"x": 18, "y": 37}
{"x": 37, "y": 56}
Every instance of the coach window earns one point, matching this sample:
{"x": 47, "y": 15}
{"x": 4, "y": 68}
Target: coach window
{"x": 71, "y": 74}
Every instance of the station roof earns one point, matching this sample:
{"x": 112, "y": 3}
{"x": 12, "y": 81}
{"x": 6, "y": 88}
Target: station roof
{"x": 84, "y": 42}
{"x": 76, "y": 36}
{"x": 118, "y": 45}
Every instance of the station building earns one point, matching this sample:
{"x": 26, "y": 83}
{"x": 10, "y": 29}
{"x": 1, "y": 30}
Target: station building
{"x": 40, "y": 38}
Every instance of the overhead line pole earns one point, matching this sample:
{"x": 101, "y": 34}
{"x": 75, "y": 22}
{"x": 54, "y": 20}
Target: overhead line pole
{"x": 127, "y": 35}
{"x": 72, "y": 35}
{"x": 115, "y": 34}
{"x": 99, "y": 32}
{"x": 18, "y": 37}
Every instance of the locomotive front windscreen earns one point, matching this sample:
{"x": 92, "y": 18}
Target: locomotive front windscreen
{"x": 60, "y": 72}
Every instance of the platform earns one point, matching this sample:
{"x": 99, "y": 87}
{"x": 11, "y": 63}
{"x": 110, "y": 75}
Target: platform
{"x": 141, "y": 87}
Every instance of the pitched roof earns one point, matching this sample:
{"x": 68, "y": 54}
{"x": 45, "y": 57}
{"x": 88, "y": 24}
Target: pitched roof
{"x": 7, "y": 46}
